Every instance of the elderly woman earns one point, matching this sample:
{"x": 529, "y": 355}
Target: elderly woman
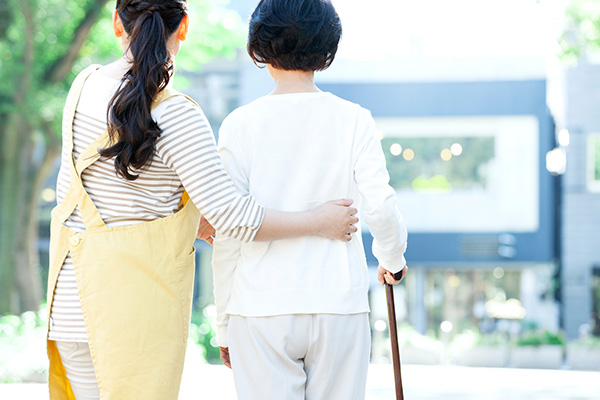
{"x": 292, "y": 315}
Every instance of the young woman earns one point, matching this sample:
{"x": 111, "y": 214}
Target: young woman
{"x": 122, "y": 260}
{"x": 292, "y": 314}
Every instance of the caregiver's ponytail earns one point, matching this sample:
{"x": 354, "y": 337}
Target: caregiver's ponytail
{"x": 149, "y": 25}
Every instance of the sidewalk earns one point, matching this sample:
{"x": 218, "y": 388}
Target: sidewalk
{"x": 212, "y": 382}
{"x": 215, "y": 382}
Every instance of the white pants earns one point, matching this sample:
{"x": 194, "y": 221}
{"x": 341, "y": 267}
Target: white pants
{"x": 298, "y": 357}
{"x": 77, "y": 360}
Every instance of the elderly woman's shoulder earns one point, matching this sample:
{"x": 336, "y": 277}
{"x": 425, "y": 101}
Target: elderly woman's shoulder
{"x": 348, "y": 106}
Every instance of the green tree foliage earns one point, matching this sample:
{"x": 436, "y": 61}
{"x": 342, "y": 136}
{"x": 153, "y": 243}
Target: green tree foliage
{"x": 582, "y": 31}
{"x": 43, "y": 45}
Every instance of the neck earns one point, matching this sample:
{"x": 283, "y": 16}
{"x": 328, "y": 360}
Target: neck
{"x": 117, "y": 68}
{"x": 293, "y": 81}
{"x": 124, "y": 63}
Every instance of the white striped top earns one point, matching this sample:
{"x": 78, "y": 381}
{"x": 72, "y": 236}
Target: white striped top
{"x": 186, "y": 157}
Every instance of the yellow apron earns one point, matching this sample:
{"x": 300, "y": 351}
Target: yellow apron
{"x": 135, "y": 283}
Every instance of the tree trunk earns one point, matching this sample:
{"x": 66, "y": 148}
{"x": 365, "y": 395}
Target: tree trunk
{"x": 28, "y": 278}
{"x": 22, "y": 180}
{"x": 11, "y": 209}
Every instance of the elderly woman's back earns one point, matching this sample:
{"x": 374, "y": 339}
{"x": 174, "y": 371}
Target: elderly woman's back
{"x": 294, "y": 312}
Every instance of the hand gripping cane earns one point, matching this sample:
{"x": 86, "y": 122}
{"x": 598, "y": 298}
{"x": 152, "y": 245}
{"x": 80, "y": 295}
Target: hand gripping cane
{"x": 389, "y": 291}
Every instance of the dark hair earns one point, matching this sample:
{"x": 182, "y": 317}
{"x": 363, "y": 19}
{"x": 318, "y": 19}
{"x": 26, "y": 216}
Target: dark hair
{"x": 149, "y": 25}
{"x": 294, "y": 34}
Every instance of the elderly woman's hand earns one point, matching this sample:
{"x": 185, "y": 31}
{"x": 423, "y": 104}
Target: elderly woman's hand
{"x": 224, "y": 353}
{"x": 385, "y": 276}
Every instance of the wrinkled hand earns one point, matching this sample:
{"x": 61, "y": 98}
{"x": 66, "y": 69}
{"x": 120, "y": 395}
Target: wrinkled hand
{"x": 224, "y": 351}
{"x": 384, "y": 274}
{"x": 206, "y": 231}
{"x": 335, "y": 219}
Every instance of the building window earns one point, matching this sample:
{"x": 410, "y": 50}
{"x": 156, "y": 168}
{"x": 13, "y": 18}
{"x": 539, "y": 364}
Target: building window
{"x": 439, "y": 164}
{"x": 464, "y": 174}
{"x": 594, "y": 162}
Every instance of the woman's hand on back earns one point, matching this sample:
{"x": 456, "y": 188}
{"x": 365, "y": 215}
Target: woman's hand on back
{"x": 335, "y": 219}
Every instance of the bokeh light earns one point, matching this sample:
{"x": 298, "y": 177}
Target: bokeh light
{"x": 396, "y": 149}
{"x": 446, "y": 155}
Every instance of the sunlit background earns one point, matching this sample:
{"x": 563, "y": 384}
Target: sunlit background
{"x": 488, "y": 114}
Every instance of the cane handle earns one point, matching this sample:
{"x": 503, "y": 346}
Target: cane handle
{"x": 398, "y": 275}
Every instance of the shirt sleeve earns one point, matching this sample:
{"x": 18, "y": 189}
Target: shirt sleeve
{"x": 378, "y": 197}
{"x": 226, "y": 251}
{"x": 187, "y": 146}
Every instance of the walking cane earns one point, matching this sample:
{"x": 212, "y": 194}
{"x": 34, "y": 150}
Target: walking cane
{"x": 389, "y": 291}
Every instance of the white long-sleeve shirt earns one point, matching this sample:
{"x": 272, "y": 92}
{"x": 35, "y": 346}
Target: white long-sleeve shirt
{"x": 292, "y": 152}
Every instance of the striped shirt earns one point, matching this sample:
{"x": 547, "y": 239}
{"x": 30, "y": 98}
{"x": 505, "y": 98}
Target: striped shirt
{"x": 185, "y": 157}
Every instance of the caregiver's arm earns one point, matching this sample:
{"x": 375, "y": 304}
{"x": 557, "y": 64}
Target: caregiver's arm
{"x": 188, "y": 147}
{"x": 334, "y": 220}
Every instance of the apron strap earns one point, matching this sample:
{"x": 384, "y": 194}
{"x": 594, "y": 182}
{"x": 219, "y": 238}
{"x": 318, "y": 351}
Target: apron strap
{"x": 77, "y": 195}
{"x": 72, "y": 102}
{"x": 92, "y": 153}
{"x": 74, "y": 196}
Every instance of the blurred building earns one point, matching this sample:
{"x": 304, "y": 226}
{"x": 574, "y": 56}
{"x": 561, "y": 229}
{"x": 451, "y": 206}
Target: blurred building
{"x": 466, "y": 137}
{"x": 580, "y": 289}
{"x": 468, "y": 161}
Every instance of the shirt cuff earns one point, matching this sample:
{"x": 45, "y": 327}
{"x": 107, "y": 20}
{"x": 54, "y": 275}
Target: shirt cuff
{"x": 252, "y": 232}
{"x": 245, "y": 225}
{"x": 222, "y": 336}
{"x": 394, "y": 266}
{"x": 391, "y": 261}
